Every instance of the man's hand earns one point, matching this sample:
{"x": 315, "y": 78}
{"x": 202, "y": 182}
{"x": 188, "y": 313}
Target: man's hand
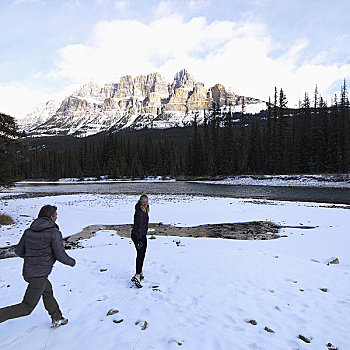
{"x": 139, "y": 245}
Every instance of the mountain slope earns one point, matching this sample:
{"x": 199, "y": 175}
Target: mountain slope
{"x": 40, "y": 115}
{"x": 146, "y": 101}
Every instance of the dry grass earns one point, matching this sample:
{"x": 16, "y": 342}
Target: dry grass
{"x": 6, "y": 219}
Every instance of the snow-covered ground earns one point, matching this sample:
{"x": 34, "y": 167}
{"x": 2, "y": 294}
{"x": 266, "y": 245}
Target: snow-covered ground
{"x": 208, "y": 288}
{"x": 321, "y": 180}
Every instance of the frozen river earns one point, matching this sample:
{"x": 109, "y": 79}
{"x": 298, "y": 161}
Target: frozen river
{"x": 304, "y": 194}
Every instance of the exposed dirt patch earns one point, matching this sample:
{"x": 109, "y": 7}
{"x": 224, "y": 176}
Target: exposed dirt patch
{"x": 6, "y": 219}
{"x": 254, "y": 230}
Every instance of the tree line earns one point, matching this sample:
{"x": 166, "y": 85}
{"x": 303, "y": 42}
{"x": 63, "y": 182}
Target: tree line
{"x": 313, "y": 138}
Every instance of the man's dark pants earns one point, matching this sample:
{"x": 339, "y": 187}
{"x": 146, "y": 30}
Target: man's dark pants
{"x": 37, "y": 287}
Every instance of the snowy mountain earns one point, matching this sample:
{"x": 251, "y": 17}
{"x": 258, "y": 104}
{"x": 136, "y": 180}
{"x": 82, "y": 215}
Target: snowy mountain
{"x": 146, "y": 101}
{"x": 41, "y": 114}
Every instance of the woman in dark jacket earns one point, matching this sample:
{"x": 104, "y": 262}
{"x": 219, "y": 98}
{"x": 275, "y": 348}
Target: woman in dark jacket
{"x": 139, "y": 236}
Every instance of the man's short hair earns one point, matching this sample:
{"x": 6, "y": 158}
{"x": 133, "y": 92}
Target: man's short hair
{"x": 47, "y": 211}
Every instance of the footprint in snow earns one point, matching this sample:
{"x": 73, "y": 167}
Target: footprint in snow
{"x": 175, "y": 279}
{"x": 230, "y": 319}
{"x": 31, "y": 329}
{"x": 176, "y": 340}
{"x": 163, "y": 270}
{"x": 146, "y": 312}
{"x": 194, "y": 301}
{"x": 18, "y": 338}
{"x": 68, "y": 311}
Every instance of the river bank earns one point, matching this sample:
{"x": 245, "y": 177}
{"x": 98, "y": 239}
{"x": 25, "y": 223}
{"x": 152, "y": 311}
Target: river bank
{"x": 295, "y": 180}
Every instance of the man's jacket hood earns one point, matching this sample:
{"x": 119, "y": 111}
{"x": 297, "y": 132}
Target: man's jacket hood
{"x": 41, "y": 224}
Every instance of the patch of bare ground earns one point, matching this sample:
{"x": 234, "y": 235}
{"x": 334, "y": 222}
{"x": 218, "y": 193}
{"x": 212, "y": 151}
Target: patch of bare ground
{"x": 254, "y": 230}
{"x": 6, "y": 219}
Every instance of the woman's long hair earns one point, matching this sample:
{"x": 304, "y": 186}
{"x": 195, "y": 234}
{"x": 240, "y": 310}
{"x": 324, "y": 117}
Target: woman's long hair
{"x": 141, "y": 206}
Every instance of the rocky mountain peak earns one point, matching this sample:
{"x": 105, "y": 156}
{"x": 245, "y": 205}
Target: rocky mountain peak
{"x": 94, "y": 93}
{"x": 183, "y": 80}
{"x": 145, "y": 101}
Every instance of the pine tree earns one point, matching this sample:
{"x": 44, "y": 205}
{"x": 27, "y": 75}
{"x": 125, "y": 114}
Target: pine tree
{"x": 227, "y": 145}
{"x": 274, "y": 143}
{"x": 215, "y": 159}
{"x": 254, "y": 155}
{"x": 11, "y": 148}
{"x": 316, "y": 98}
{"x": 87, "y": 163}
{"x": 206, "y": 147}
{"x": 196, "y": 151}
{"x": 343, "y": 129}
{"x": 305, "y": 143}
{"x": 332, "y": 157}
{"x": 283, "y": 149}
{"x": 269, "y": 139}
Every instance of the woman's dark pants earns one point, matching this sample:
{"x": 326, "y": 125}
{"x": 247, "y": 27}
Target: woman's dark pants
{"x": 140, "y": 253}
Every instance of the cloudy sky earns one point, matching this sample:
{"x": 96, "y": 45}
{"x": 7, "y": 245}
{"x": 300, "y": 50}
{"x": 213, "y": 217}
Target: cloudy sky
{"x": 50, "y": 47}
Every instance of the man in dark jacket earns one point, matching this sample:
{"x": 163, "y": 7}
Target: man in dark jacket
{"x": 40, "y": 246}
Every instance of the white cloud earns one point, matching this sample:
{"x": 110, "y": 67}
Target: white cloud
{"x": 238, "y": 55}
{"x": 20, "y": 2}
{"x": 164, "y": 8}
{"x": 198, "y": 4}
{"x": 235, "y": 54}
{"x": 19, "y": 101}
{"x": 17, "y": 2}
{"x": 121, "y": 5}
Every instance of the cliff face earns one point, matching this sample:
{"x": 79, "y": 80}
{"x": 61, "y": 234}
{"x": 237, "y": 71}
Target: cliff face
{"x": 143, "y": 101}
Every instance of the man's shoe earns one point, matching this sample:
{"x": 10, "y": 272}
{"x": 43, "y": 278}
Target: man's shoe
{"x": 141, "y": 276}
{"x": 58, "y": 323}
